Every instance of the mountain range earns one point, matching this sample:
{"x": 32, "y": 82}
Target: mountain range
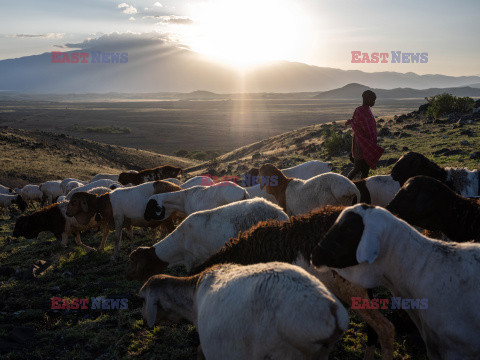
{"x": 166, "y": 68}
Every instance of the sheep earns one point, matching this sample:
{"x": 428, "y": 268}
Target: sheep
{"x": 113, "y": 177}
{"x": 256, "y": 191}
{"x": 72, "y": 185}
{"x": 371, "y": 247}
{"x": 194, "y": 199}
{"x": 298, "y": 197}
{"x": 302, "y": 171}
{"x": 99, "y": 183}
{"x": 51, "y": 191}
{"x": 64, "y": 183}
{"x": 30, "y": 193}
{"x": 293, "y": 242}
{"x": 158, "y": 173}
{"x": 245, "y": 312}
{"x": 199, "y": 236}
{"x": 54, "y": 219}
{"x": 197, "y": 180}
{"x": 377, "y": 190}
{"x": 463, "y": 181}
{"x": 428, "y": 203}
{"x": 123, "y": 206}
{"x": 6, "y": 190}
{"x": 7, "y": 200}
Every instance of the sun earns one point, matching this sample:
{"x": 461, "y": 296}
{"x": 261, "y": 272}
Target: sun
{"x": 248, "y": 32}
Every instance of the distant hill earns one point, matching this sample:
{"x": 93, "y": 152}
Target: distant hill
{"x": 153, "y": 68}
{"x": 353, "y": 91}
{"x": 34, "y": 157}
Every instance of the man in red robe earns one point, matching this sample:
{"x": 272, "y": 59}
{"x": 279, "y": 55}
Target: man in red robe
{"x": 365, "y": 150}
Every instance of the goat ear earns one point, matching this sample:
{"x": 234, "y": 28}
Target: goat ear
{"x": 149, "y": 310}
{"x": 369, "y": 246}
{"x": 84, "y": 205}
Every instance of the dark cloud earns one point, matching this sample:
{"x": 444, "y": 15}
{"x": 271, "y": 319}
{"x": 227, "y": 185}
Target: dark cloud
{"x": 118, "y": 41}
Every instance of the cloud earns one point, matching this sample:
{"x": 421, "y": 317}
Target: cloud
{"x": 173, "y": 19}
{"x": 157, "y": 4}
{"x": 39, "y": 36}
{"x": 127, "y": 9}
{"x": 131, "y": 18}
{"x": 119, "y": 41}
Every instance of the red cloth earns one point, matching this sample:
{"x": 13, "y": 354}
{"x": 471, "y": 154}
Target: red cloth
{"x": 365, "y": 131}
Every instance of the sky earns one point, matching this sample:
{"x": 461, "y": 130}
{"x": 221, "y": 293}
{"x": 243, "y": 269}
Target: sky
{"x": 244, "y": 33}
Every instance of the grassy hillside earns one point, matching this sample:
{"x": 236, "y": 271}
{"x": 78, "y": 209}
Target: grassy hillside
{"x": 30, "y": 329}
{"x": 33, "y": 157}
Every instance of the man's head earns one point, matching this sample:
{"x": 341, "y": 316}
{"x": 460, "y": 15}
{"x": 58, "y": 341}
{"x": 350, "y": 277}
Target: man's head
{"x": 369, "y": 98}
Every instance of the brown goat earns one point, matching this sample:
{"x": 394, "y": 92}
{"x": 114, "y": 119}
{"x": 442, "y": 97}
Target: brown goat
{"x": 158, "y": 173}
{"x": 293, "y": 241}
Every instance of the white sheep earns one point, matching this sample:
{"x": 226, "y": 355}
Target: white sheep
{"x": 261, "y": 311}
{"x": 256, "y": 191}
{"x": 64, "y": 183}
{"x": 377, "y": 190}
{"x": 302, "y": 171}
{"x": 72, "y": 185}
{"x": 200, "y": 235}
{"x": 197, "y": 181}
{"x": 99, "y": 183}
{"x": 194, "y": 199}
{"x": 7, "y": 200}
{"x": 51, "y": 190}
{"x": 437, "y": 281}
{"x": 298, "y": 197}
{"x": 30, "y": 193}
{"x": 6, "y": 190}
{"x": 113, "y": 177}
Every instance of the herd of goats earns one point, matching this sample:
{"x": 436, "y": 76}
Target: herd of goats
{"x": 274, "y": 261}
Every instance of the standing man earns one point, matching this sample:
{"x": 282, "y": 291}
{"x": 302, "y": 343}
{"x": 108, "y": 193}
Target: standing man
{"x": 365, "y": 150}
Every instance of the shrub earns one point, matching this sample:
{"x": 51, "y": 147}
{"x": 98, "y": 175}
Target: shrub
{"x": 181, "y": 153}
{"x": 335, "y": 143}
{"x": 443, "y": 104}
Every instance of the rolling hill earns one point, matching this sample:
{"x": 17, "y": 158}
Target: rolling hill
{"x": 34, "y": 157}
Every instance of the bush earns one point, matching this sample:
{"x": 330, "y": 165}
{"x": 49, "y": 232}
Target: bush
{"x": 335, "y": 143}
{"x": 181, "y": 153}
{"x": 443, "y": 104}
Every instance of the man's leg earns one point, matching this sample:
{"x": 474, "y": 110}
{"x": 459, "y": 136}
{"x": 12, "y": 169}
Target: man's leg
{"x": 365, "y": 169}
{"x": 356, "y": 170}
